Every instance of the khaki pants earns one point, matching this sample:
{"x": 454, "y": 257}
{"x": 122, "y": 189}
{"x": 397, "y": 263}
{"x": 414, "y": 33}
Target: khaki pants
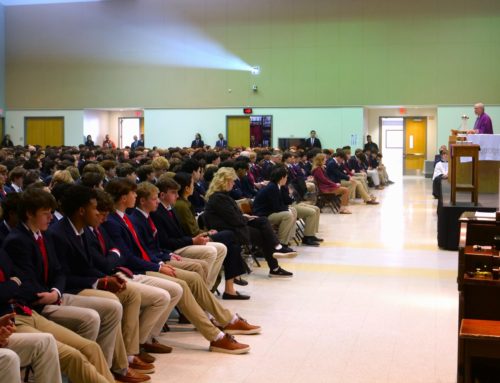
{"x": 196, "y": 299}
{"x": 310, "y": 214}
{"x": 211, "y": 256}
{"x": 285, "y": 220}
{"x": 362, "y": 178}
{"x": 354, "y": 187}
{"x": 157, "y": 302}
{"x": 127, "y": 335}
{"x": 81, "y": 360}
{"x": 36, "y": 350}
{"x": 74, "y": 310}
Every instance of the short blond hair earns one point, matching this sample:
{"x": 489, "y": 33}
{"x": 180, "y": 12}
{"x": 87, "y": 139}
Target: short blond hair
{"x": 220, "y": 180}
{"x": 160, "y": 163}
{"x": 62, "y": 177}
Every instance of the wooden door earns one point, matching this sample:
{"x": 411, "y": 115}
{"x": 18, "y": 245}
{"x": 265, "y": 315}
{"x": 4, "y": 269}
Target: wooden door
{"x": 44, "y": 131}
{"x": 415, "y": 144}
{"x": 238, "y": 131}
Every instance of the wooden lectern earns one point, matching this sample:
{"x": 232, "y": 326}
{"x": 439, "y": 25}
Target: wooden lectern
{"x": 464, "y": 150}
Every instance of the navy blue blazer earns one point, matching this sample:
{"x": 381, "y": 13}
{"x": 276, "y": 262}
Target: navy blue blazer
{"x": 145, "y": 232}
{"x": 125, "y": 242}
{"x": 105, "y": 260}
{"x": 220, "y": 144}
{"x": 74, "y": 256}
{"x": 196, "y": 198}
{"x": 9, "y": 290}
{"x": 197, "y": 144}
{"x": 265, "y": 169}
{"x": 335, "y": 171}
{"x": 269, "y": 200}
{"x": 170, "y": 233}
{"x": 25, "y": 254}
{"x": 4, "y": 231}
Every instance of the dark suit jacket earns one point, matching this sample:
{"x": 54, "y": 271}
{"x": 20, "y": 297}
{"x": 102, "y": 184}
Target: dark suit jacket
{"x": 4, "y": 231}
{"x": 309, "y": 145}
{"x": 130, "y": 252}
{"x": 75, "y": 258}
{"x": 335, "y": 171}
{"x": 9, "y": 290}
{"x": 218, "y": 144}
{"x": 269, "y": 200}
{"x": 265, "y": 169}
{"x": 197, "y": 144}
{"x": 170, "y": 233}
{"x": 196, "y": 198}
{"x": 23, "y": 250}
{"x": 108, "y": 260}
{"x": 145, "y": 232}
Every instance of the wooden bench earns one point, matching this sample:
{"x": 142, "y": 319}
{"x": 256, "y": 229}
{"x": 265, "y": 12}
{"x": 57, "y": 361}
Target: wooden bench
{"x": 478, "y": 338}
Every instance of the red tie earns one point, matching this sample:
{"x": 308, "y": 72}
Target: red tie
{"x": 144, "y": 255}
{"x": 101, "y": 241}
{"x": 41, "y": 245}
{"x": 152, "y": 226}
{"x": 170, "y": 213}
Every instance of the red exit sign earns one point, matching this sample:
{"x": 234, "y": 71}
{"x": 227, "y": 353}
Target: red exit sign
{"x": 248, "y": 110}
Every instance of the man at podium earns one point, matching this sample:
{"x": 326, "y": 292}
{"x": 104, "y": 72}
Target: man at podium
{"x": 483, "y": 123}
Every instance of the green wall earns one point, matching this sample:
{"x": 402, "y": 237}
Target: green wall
{"x": 315, "y": 53}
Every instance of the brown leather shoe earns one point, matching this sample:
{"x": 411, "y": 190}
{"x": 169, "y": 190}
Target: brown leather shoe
{"x": 241, "y": 327}
{"x": 145, "y": 357}
{"x": 132, "y": 376}
{"x": 156, "y": 347}
{"x": 229, "y": 345}
{"x": 142, "y": 367}
{"x": 371, "y": 202}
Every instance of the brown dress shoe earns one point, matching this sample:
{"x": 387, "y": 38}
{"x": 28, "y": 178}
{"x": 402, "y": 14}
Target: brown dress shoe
{"x": 145, "y": 357}
{"x": 156, "y": 347}
{"x": 229, "y": 345}
{"x": 241, "y": 327}
{"x": 142, "y": 367}
{"x": 132, "y": 376}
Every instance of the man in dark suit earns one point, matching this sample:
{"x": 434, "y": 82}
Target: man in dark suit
{"x": 197, "y": 142}
{"x": 221, "y": 142}
{"x": 312, "y": 141}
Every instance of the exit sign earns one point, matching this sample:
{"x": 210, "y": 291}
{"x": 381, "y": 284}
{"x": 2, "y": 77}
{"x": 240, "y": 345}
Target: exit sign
{"x": 247, "y": 110}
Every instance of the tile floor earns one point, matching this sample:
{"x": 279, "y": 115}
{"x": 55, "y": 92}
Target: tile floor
{"x": 377, "y": 302}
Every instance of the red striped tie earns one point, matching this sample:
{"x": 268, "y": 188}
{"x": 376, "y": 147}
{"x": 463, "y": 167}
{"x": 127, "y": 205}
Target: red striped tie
{"x": 144, "y": 255}
{"x": 152, "y": 226}
{"x": 101, "y": 240}
{"x": 41, "y": 245}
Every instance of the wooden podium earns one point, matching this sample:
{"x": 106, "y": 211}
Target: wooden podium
{"x": 464, "y": 150}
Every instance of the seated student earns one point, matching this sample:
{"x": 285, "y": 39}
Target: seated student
{"x": 326, "y": 185}
{"x": 109, "y": 167}
{"x": 80, "y": 208}
{"x": 382, "y": 170}
{"x": 196, "y": 299}
{"x": 3, "y": 180}
{"x": 269, "y": 203}
{"x": 37, "y": 351}
{"x": 352, "y": 166}
{"x": 125, "y": 170}
{"x": 234, "y": 265}
{"x": 297, "y": 175}
{"x": 9, "y": 214}
{"x": 81, "y": 360}
{"x": 337, "y": 173}
{"x": 222, "y": 213}
{"x": 440, "y": 173}
{"x": 16, "y": 179}
{"x": 171, "y": 235}
{"x": 437, "y": 157}
{"x": 145, "y": 173}
{"x": 32, "y": 252}
{"x": 160, "y": 167}
{"x": 367, "y": 163}
{"x": 243, "y": 188}
{"x": 198, "y": 197}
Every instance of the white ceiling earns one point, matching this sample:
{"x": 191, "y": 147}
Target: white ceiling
{"x": 36, "y": 2}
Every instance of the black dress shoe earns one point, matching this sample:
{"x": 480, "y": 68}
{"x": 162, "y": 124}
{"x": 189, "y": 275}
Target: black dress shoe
{"x": 317, "y": 239}
{"x": 238, "y": 296}
{"x": 240, "y": 281}
{"x": 308, "y": 241}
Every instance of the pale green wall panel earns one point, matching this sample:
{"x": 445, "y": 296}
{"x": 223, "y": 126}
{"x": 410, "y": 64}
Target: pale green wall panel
{"x": 335, "y": 126}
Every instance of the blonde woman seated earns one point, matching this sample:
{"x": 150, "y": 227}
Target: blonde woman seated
{"x": 222, "y": 213}
{"x": 327, "y": 186}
